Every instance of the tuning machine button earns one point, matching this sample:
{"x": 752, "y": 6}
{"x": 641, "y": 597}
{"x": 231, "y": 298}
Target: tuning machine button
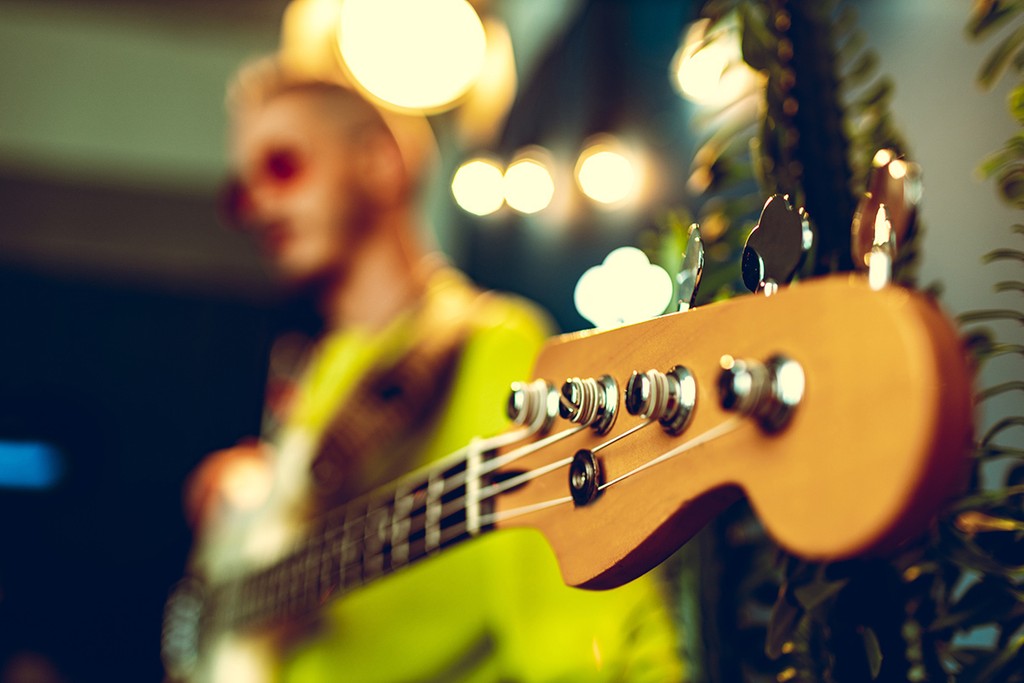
{"x": 592, "y": 402}
{"x": 668, "y": 397}
{"x": 768, "y": 391}
{"x": 886, "y": 215}
{"x": 533, "y": 404}
{"x": 688, "y": 279}
{"x": 776, "y": 246}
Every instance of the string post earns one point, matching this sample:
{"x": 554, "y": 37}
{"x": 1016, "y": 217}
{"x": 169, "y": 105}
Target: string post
{"x": 533, "y": 404}
{"x": 769, "y": 391}
{"x": 591, "y": 402}
{"x": 584, "y": 477}
{"x": 668, "y": 397}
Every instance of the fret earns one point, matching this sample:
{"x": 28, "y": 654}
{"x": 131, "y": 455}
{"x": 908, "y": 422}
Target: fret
{"x": 401, "y": 524}
{"x": 366, "y": 539}
{"x": 330, "y": 560}
{"x": 472, "y": 500}
{"x": 432, "y": 516}
{"x": 311, "y": 572}
{"x": 375, "y": 542}
{"x": 351, "y": 571}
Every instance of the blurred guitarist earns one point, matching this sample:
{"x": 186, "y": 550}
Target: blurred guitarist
{"x": 409, "y": 363}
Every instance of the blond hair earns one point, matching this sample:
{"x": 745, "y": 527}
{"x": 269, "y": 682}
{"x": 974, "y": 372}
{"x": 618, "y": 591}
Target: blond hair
{"x": 261, "y": 80}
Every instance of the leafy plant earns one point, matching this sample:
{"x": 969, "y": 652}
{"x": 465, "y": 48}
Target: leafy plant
{"x": 951, "y": 606}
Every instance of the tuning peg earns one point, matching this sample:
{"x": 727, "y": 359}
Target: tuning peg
{"x": 589, "y": 401}
{"x": 688, "y": 278}
{"x": 886, "y": 215}
{"x": 776, "y": 246}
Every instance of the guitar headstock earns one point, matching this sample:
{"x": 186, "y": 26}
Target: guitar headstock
{"x": 842, "y": 413}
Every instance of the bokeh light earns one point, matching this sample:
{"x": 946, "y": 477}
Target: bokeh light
{"x": 606, "y": 174}
{"x": 708, "y": 67}
{"x": 625, "y": 288}
{"x": 529, "y": 186}
{"x": 478, "y": 186}
{"x": 413, "y": 54}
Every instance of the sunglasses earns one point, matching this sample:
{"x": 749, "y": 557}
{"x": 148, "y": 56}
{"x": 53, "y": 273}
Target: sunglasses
{"x": 277, "y": 170}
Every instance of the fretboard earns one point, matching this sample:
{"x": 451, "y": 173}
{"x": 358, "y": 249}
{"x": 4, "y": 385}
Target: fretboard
{"x": 366, "y": 539}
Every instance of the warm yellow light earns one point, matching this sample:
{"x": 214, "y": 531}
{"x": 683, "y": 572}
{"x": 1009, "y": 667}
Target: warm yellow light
{"x": 308, "y": 36}
{"x": 413, "y": 54}
{"x": 528, "y": 185}
{"x": 605, "y": 174}
{"x": 625, "y": 288}
{"x": 478, "y": 187}
{"x": 708, "y": 68}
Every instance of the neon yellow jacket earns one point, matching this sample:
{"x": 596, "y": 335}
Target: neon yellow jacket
{"x": 492, "y": 609}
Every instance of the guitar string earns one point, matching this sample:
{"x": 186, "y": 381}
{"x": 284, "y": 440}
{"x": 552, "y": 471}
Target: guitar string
{"x": 343, "y": 520}
{"x": 711, "y": 434}
{"x": 454, "y": 482}
{"x": 715, "y": 432}
{"x": 496, "y": 489}
{"x": 421, "y": 476}
{"x": 486, "y": 493}
{"x": 453, "y": 531}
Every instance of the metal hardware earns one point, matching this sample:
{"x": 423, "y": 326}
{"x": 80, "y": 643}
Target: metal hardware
{"x": 668, "y": 398}
{"x": 533, "y": 402}
{"x": 886, "y": 215}
{"x": 584, "y": 477}
{"x": 689, "y": 275}
{"x": 590, "y": 401}
{"x": 180, "y": 637}
{"x": 776, "y": 246}
{"x": 769, "y": 391}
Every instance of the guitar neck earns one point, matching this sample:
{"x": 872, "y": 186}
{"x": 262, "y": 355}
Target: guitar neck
{"x": 368, "y": 538}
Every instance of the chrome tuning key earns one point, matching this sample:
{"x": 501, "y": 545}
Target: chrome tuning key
{"x": 688, "y": 279}
{"x": 776, "y": 247}
{"x": 886, "y": 215}
{"x": 533, "y": 404}
{"x": 591, "y": 402}
{"x": 769, "y": 391}
{"x": 668, "y": 397}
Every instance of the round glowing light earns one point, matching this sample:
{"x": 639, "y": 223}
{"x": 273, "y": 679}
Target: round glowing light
{"x": 478, "y": 187}
{"x": 529, "y": 187}
{"x": 606, "y": 175}
{"x": 625, "y": 288}
{"x": 708, "y": 67}
{"x": 413, "y": 54}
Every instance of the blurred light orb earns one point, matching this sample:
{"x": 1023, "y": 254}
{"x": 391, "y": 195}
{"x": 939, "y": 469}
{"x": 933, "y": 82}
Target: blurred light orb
{"x": 413, "y": 54}
{"x": 605, "y": 174}
{"x": 528, "y": 185}
{"x": 625, "y": 288}
{"x": 478, "y": 186}
{"x": 708, "y": 68}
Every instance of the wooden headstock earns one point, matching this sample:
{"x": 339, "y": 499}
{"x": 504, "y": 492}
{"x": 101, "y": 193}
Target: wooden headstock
{"x": 876, "y": 442}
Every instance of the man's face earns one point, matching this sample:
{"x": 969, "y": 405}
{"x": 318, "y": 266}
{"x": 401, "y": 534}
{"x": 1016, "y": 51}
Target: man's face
{"x": 299, "y": 197}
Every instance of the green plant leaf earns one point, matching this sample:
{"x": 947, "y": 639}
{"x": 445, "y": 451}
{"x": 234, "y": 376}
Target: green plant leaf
{"x": 1001, "y": 426}
{"x": 985, "y": 394}
{"x": 996, "y": 314}
{"x": 988, "y": 15}
{"x": 872, "y": 650}
{"x": 1004, "y": 255}
{"x": 813, "y": 595}
{"x": 995, "y": 66}
{"x": 1009, "y": 286}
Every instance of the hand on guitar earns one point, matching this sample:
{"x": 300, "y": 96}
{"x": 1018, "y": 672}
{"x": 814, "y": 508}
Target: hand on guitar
{"x": 238, "y": 478}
